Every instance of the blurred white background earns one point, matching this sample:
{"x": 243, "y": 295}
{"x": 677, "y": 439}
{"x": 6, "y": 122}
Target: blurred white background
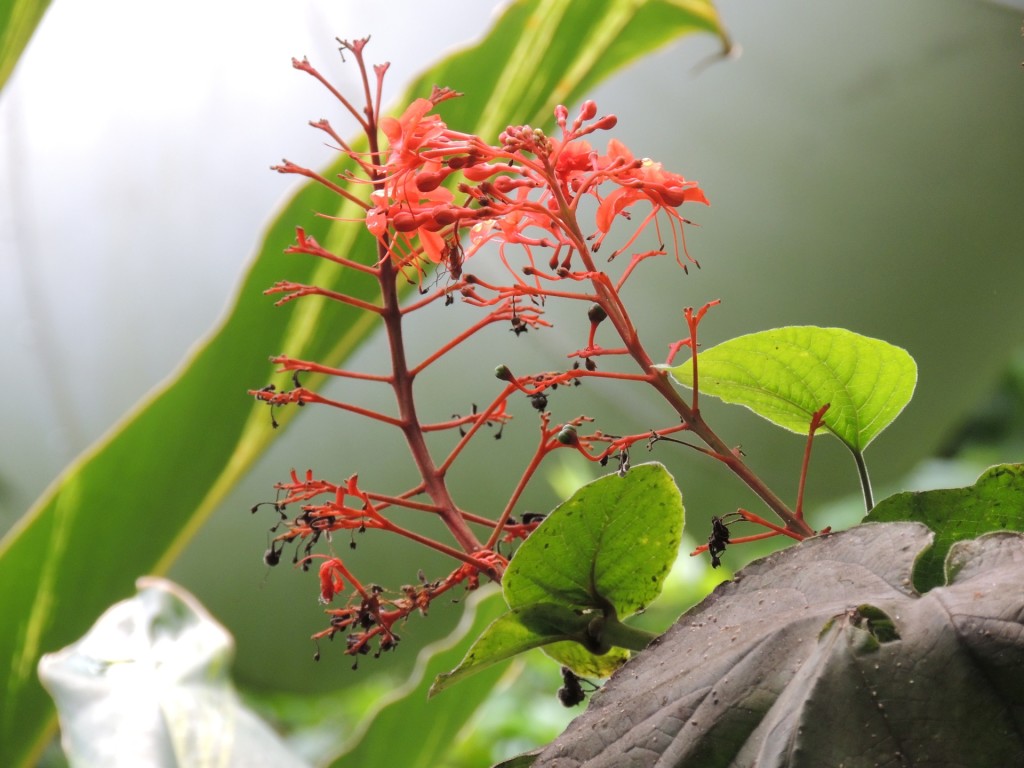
{"x": 135, "y": 142}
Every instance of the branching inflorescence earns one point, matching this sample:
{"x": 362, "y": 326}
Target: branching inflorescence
{"x": 436, "y": 198}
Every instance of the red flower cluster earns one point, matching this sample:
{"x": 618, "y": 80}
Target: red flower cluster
{"x": 524, "y": 191}
{"x": 439, "y": 197}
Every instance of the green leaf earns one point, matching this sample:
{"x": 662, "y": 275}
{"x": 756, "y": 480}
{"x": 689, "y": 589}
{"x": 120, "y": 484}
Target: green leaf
{"x": 569, "y": 653}
{"x": 785, "y": 375}
{"x": 601, "y": 555}
{"x": 994, "y": 503}
{"x": 17, "y": 23}
{"x": 132, "y": 503}
{"x": 611, "y": 544}
{"x": 520, "y": 761}
{"x": 516, "y": 631}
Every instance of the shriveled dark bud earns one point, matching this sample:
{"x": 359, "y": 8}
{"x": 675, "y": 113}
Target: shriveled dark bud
{"x": 596, "y": 314}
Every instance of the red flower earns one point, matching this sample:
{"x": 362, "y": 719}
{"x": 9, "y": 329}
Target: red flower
{"x": 411, "y": 132}
{"x": 521, "y": 221}
{"x": 412, "y": 213}
{"x": 331, "y": 581}
{"x": 642, "y": 180}
{"x": 413, "y": 204}
{"x": 573, "y": 159}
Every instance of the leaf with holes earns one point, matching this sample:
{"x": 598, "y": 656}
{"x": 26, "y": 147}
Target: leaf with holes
{"x": 994, "y": 503}
{"x": 824, "y": 654}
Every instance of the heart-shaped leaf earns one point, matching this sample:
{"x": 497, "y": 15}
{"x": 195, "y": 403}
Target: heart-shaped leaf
{"x": 576, "y": 657}
{"x": 611, "y": 544}
{"x": 785, "y": 375}
{"x": 599, "y": 556}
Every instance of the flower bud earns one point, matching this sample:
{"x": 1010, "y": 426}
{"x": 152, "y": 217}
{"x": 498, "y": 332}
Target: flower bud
{"x": 403, "y": 221}
{"x": 444, "y": 215}
{"x": 428, "y": 181}
{"x": 505, "y": 184}
{"x": 482, "y": 171}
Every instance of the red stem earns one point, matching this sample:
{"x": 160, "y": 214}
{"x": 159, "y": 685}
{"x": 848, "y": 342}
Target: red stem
{"x": 545, "y": 447}
{"x": 619, "y": 316}
{"x": 481, "y": 419}
{"x": 291, "y": 364}
{"x": 402, "y": 380}
{"x": 816, "y": 420}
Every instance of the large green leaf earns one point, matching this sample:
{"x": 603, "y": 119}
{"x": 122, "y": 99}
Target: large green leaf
{"x": 600, "y": 556}
{"x": 994, "y": 503}
{"x": 787, "y": 374}
{"x": 612, "y": 543}
{"x": 129, "y": 505}
{"x": 18, "y": 20}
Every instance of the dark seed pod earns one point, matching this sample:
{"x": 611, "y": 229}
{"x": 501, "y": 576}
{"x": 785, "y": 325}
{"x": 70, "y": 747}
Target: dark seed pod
{"x": 567, "y": 435}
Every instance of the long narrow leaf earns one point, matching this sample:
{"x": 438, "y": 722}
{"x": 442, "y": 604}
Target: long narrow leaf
{"x": 131, "y": 504}
{"x": 17, "y": 23}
